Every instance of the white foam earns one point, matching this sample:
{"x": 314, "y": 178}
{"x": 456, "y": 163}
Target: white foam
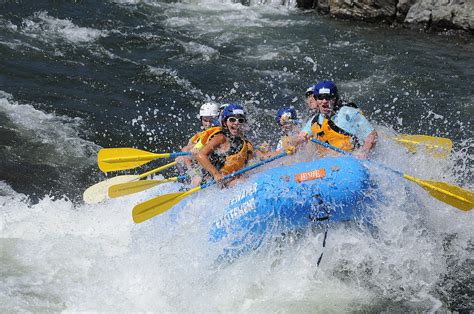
{"x": 58, "y": 132}
{"x": 61, "y": 256}
{"x": 168, "y": 73}
{"x": 45, "y": 27}
{"x": 205, "y": 53}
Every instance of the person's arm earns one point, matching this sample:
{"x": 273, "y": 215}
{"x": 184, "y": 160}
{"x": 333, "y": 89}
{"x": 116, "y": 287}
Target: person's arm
{"x": 369, "y": 144}
{"x": 354, "y": 122}
{"x": 188, "y": 146}
{"x": 203, "y": 156}
{"x": 289, "y": 149}
{"x": 306, "y": 130}
{"x": 265, "y": 155}
{"x": 305, "y": 134}
{"x": 186, "y": 160}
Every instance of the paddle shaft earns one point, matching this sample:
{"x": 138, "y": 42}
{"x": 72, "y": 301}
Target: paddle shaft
{"x": 145, "y": 157}
{"x": 239, "y": 172}
{"x": 146, "y": 174}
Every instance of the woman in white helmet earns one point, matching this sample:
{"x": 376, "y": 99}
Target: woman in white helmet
{"x": 208, "y": 114}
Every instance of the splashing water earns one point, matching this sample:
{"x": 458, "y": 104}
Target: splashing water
{"x": 133, "y": 73}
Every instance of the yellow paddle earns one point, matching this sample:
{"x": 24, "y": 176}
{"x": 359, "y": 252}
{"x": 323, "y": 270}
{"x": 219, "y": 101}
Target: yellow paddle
{"x": 115, "y": 159}
{"x": 98, "y": 192}
{"x": 447, "y": 193}
{"x": 162, "y": 203}
{"x": 159, "y": 205}
{"x": 123, "y": 189}
{"x": 437, "y": 146}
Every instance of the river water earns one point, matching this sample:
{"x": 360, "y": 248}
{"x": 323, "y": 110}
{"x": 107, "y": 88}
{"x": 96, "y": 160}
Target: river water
{"x": 78, "y": 77}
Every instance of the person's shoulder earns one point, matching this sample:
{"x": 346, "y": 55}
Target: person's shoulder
{"x": 349, "y": 110}
{"x": 349, "y": 113}
{"x": 218, "y": 137}
{"x": 219, "y": 134}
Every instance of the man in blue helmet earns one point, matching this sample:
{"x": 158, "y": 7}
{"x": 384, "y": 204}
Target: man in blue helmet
{"x": 339, "y": 124}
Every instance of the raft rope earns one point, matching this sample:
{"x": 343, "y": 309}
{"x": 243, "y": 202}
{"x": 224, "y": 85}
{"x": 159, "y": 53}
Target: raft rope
{"x": 326, "y": 228}
{"x": 324, "y": 244}
{"x": 320, "y": 218}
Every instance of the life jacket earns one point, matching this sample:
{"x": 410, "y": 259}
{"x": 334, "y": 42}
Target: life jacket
{"x": 205, "y": 136}
{"x": 330, "y": 133}
{"x": 235, "y": 158}
{"x": 195, "y": 138}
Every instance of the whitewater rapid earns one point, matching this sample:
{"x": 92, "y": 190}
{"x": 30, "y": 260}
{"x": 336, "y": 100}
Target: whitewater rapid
{"x": 64, "y": 256}
{"x": 133, "y": 73}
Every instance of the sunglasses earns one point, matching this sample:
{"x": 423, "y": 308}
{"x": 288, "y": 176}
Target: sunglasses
{"x": 233, "y": 120}
{"x": 324, "y": 96}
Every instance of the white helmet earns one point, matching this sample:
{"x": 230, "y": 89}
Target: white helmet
{"x": 209, "y": 109}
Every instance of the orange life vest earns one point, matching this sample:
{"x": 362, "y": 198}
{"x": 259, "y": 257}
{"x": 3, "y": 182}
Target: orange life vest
{"x": 239, "y": 160}
{"x": 205, "y": 136}
{"x": 234, "y": 159}
{"x": 195, "y": 138}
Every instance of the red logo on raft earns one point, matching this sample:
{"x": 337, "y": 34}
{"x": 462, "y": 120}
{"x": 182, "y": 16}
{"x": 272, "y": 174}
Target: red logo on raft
{"x": 310, "y": 175}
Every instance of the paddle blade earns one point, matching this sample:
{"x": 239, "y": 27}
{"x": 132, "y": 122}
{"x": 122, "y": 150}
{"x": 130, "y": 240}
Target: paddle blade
{"x": 115, "y": 159}
{"x": 98, "y": 192}
{"x": 158, "y": 205}
{"x": 135, "y": 187}
{"x": 437, "y": 146}
{"x": 447, "y": 193}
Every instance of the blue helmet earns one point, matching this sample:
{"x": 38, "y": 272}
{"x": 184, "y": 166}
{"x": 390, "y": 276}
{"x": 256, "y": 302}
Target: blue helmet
{"x": 232, "y": 110}
{"x": 326, "y": 87}
{"x": 290, "y": 113}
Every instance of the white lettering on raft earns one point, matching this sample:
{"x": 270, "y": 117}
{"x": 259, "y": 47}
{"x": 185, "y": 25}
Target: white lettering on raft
{"x": 242, "y": 208}
{"x": 251, "y": 190}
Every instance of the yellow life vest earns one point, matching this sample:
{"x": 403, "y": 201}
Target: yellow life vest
{"x": 328, "y": 132}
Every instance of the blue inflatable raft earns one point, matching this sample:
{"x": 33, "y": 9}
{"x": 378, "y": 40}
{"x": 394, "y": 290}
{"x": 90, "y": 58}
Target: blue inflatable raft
{"x": 291, "y": 198}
